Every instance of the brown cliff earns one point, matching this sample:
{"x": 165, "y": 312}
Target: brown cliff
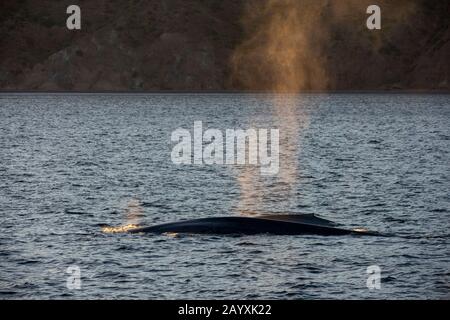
{"x": 190, "y": 44}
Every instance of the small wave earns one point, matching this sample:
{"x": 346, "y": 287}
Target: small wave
{"x": 245, "y": 243}
{"x": 25, "y": 262}
{"x": 70, "y": 211}
{"x": 424, "y": 236}
{"x": 156, "y": 204}
{"x": 343, "y": 159}
{"x": 439, "y": 210}
{"x": 84, "y": 163}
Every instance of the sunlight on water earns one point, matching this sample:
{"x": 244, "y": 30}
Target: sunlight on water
{"x": 120, "y": 229}
{"x": 171, "y": 234}
{"x": 133, "y": 215}
{"x": 360, "y": 230}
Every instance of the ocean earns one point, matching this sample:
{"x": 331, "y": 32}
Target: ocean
{"x": 71, "y": 164}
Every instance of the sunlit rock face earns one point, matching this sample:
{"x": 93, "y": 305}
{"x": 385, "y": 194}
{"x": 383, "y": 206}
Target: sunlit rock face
{"x": 281, "y": 45}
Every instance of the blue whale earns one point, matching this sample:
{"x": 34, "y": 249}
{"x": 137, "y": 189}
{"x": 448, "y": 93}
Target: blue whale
{"x": 288, "y": 224}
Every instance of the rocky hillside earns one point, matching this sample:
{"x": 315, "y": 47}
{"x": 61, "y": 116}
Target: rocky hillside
{"x": 189, "y": 45}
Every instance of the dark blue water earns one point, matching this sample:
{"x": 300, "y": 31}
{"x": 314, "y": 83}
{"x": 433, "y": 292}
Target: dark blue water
{"x": 72, "y": 163}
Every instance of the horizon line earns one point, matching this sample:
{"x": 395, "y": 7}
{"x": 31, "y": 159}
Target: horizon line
{"x": 379, "y": 91}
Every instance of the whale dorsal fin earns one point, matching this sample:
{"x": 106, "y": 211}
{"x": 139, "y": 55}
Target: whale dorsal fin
{"x": 299, "y": 218}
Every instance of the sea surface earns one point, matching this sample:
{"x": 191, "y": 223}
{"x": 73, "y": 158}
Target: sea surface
{"x": 71, "y": 164}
